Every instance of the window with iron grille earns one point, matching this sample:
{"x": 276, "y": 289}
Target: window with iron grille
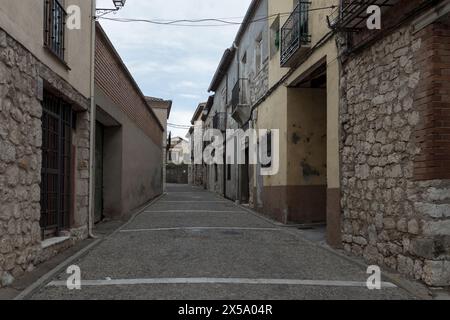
{"x": 56, "y": 183}
{"x": 54, "y": 27}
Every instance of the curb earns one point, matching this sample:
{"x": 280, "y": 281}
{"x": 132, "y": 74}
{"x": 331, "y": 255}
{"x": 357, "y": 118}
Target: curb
{"x": 41, "y": 282}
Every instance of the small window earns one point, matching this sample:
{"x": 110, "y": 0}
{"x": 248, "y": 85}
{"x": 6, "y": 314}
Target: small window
{"x": 229, "y": 172}
{"x": 275, "y": 37}
{"x": 269, "y": 149}
{"x": 54, "y": 27}
{"x": 259, "y": 54}
{"x": 244, "y": 58}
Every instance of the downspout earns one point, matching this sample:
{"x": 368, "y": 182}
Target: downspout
{"x": 92, "y": 128}
{"x": 238, "y": 171}
{"x": 225, "y": 166}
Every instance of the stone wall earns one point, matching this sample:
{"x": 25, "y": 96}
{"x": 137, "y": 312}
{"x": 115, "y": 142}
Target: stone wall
{"x": 20, "y": 158}
{"x": 390, "y": 217}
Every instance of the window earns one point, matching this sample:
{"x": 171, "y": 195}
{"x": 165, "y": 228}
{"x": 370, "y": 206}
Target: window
{"x": 229, "y": 172}
{"x": 259, "y": 54}
{"x": 275, "y": 37}
{"x": 216, "y": 173}
{"x": 269, "y": 150}
{"x": 54, "y": 27}
{"x": 58, "y": 121}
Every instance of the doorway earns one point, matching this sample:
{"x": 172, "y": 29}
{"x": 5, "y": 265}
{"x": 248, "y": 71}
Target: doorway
{"x": 307, "y": 177}
{"x": 245, "y": 178}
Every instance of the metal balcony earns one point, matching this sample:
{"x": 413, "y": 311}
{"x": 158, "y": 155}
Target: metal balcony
{"x": 351, "y": 15}
{"x": 295, "y": 37}
{"x": 239, "y": 94}
{"x": 240, "y": 103}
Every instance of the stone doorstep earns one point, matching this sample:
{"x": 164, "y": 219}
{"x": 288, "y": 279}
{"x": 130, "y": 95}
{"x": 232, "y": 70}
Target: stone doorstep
{"x": 46, "y": 244}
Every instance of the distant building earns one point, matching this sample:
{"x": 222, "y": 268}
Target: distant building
{"x": 162, "y": 109}
{"x": 178, "y": 160}
{"x": 179, "y": 151}
{"x": 197, "y": 171}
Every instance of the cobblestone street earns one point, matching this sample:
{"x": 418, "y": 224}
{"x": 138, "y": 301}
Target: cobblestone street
{"x": 192, "y": 244}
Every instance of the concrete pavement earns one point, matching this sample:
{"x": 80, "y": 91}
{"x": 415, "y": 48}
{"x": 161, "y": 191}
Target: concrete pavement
{"x": 192, "y": 244}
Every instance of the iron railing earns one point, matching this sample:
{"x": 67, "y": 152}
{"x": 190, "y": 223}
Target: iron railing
{"x": 239, "y": 94}
{"x": 351, "y": 15}
{"x": 56, "y": 182}
{"x": 295, "y": 32}
{"x": 54, "y": 27}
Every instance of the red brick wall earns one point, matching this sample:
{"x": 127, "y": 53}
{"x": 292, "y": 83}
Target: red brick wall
{"x": 432, "y": 100}
{"x": 113, "y": 79}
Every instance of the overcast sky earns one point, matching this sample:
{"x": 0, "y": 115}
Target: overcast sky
{"x": 170, "y": 62}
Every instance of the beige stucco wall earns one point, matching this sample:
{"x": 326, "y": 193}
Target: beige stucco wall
{"x": 279, "y": 98}
{"x": 272, "y": 114}
{"x": 24, "y": 21}
{"x": 306, "y": 137}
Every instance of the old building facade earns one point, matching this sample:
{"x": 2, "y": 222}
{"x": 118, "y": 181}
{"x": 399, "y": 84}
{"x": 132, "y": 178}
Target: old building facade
{"x": 129, "y": 138}
{"x": 394, "y": 116}
{"x": 363, "y": 126}
{"x": 302, "y": 103}
{"x": 197, "y": 167}
{"x": 241, "y": 79}
{"x": 45, "y": 77}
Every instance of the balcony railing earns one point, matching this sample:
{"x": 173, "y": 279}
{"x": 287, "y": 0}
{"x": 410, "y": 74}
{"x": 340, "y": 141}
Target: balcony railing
{"x": 352, "y": 15}
{"x": 54, "y": 27}
{"x": 295, "y": 33}
{"x": 239, "y": 94}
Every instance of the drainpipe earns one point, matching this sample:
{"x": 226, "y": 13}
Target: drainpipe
{"x": 225, "y": 166}
{"x": 238, "y": 171}
{"x": 92, "y": 129}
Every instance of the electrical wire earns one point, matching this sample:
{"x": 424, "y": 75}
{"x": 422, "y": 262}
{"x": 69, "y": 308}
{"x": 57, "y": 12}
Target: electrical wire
{"x": 178, "y": 126}
{"x": 218, "y": 22}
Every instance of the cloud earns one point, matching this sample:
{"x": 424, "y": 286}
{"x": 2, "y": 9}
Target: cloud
{"x": 170, "y": 62}
{"x": 190, "y": 96}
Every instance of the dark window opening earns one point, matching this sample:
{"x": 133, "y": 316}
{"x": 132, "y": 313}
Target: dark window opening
{"x": 269, "y": 150}
{"x": 56, "y": 183}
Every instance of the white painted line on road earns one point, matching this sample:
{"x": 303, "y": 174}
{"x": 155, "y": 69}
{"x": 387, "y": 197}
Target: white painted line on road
{"x": 192, "y": 211}
{"x": 218, "y": 201}
{"x": 201, "y": 229}
{"x": 194, "y": 281}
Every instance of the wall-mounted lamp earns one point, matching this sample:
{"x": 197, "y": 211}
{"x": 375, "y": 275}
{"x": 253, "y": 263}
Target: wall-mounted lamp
{"x": 118, "y": 4}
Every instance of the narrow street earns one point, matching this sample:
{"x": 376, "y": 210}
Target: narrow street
{"x": 192, "y": 244}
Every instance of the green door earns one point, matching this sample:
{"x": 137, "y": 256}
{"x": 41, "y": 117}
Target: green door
{"x": 99, "y": 134}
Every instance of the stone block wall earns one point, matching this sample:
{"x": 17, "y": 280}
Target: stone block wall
{"x": 393, "y": 214}
{"x": 20, "y": 158}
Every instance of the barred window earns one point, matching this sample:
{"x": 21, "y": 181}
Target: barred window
{"x": 54, "y": 27}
